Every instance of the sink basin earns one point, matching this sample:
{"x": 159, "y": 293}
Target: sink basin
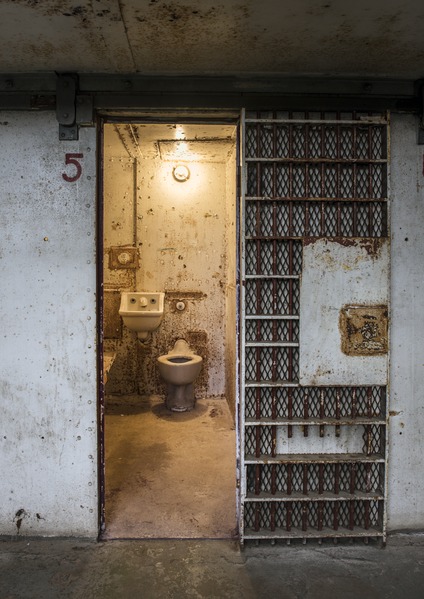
{"x": 142, "y": 311}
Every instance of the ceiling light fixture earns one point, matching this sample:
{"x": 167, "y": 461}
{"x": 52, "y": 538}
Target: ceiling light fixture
{"x": 181, "y": 173}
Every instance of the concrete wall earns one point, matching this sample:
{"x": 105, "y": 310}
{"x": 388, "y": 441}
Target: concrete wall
{"x": 48, "y": 424}
{"x": 406, "y": 463}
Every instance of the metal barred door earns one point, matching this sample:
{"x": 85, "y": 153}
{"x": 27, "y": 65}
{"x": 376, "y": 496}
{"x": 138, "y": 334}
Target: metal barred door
{"x": 314, "y": 325}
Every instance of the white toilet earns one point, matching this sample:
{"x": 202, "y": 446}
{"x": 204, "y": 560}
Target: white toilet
{"x": 179, "y": 368}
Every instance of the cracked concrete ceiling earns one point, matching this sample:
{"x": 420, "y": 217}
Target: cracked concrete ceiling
{"x": 381, "y": 38}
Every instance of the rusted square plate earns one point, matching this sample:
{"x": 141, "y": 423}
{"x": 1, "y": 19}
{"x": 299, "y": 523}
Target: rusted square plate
{"x": 364, "y": 330}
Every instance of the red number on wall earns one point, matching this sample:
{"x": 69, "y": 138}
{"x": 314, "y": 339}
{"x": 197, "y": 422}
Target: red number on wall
{"x": 74, "y": 160}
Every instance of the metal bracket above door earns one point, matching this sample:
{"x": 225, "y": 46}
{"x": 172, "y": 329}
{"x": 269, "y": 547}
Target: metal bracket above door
{"x": 72, "y": 109}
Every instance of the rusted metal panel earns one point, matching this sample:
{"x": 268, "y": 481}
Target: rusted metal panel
{"x": 364, "y": 330}
{"x": 123, "y": 257}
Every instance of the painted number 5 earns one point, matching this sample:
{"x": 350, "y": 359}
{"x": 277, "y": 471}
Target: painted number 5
{"x": 74, "y": 160}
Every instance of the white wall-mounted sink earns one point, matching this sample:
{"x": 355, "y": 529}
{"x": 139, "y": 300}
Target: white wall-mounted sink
{"x": 142, "y": 311}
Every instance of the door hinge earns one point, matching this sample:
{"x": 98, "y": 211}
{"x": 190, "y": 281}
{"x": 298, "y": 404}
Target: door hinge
{"x": 72, "y": 109}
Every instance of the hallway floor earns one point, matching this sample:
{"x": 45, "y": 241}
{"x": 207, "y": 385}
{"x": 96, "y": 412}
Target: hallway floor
{"x": 169, "y": 474}
{"x": 153, "y": 569}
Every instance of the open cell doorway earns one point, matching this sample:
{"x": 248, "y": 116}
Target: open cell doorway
{"x": 169, "y": 214}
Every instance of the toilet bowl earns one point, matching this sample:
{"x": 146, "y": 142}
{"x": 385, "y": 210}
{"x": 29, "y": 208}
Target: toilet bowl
{"x": 179, "y": 368}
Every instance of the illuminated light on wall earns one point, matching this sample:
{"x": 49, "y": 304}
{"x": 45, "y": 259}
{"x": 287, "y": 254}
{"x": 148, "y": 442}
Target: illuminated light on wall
{"x": 181, "y": 173}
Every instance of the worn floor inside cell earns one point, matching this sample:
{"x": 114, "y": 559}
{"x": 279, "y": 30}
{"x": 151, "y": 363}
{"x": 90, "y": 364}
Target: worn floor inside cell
{"x": 169, "y": 475}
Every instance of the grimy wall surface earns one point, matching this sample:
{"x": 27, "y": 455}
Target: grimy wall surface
{"x": 48, "y": 426}
{"x": 406, "y": 440}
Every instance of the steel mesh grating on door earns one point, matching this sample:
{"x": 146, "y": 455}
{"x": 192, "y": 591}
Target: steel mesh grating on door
{"x": 306, "y": 175}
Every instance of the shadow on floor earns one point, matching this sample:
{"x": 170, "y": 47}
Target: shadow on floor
{"x": 169, "y": 475}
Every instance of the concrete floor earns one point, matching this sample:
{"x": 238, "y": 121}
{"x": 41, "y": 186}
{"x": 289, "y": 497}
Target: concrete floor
{"x": 153, "y": 569}
{"x": 168, "y": 474}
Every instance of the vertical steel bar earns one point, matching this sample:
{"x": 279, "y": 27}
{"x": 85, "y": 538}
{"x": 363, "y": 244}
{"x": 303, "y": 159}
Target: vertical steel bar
{"x": 306, "y": 220}
{"x": 354, "y": 143}
{"x": 352, "y": 479}
{"x": 321, "y": 411}
{"x": 258, "y": 227}
{"x": 257, "y": 524}
{"x": 258, "y": 179}
{"x": 258, "y": 402}
{"x": 289, "y": 411}
{"x": 258, "y": 478}
{"x": 369, "y": 439}
{"x": 338, "y": 136}
{"x": 336, "y": 478}
{"x": 320, "y": 515}
{"x": 336, "y": 515}
{"x": 324, "y": 154}
{"x": 338, "y": 180}
{"x": 351, "y": 515}
{"x": 290, "y": 227}
{"x": 274, "y": 261}
{"x": 289, "y": 479}
{"x": 339, "y": 219}
{"x": 305, "y": 412}
{"x": 258, "y": 430}
{"x": 274, "y": 155}
{"x": 304, "y": 517}
{"x": 354, "y": 181}
{"x": 305, "y": 479}
{"x": 337, "y": 428}
{"x": 273, "y": 403}
{"x": 273, "y": 441}
{"x": 290, "y": 127}
{"x": 272, "y": 516}
{"x": 353, "y": 403}
{"x": 289, "y": 516}
{"x": 273, "y": 479}
{"x": 258, "y": 140}
{"x": 366, "y": 515}
{"x": 320, "y": 479}
{"x": 369, "y": 403}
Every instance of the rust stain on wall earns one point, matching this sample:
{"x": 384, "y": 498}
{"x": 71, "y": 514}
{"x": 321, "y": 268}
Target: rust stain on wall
{"x": 364, "y": 330}
{"x": 112, "y": 322}
{"x": 372, "y": 246}
{"x": 123, "y": 257}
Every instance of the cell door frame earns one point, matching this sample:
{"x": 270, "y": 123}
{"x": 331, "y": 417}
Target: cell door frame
{"x": 155, "y": 116}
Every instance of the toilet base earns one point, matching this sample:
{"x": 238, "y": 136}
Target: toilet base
{"x": 180, "y": 398}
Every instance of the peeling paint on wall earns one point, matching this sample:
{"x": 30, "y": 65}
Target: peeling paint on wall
{"x": 337, "y": 276}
